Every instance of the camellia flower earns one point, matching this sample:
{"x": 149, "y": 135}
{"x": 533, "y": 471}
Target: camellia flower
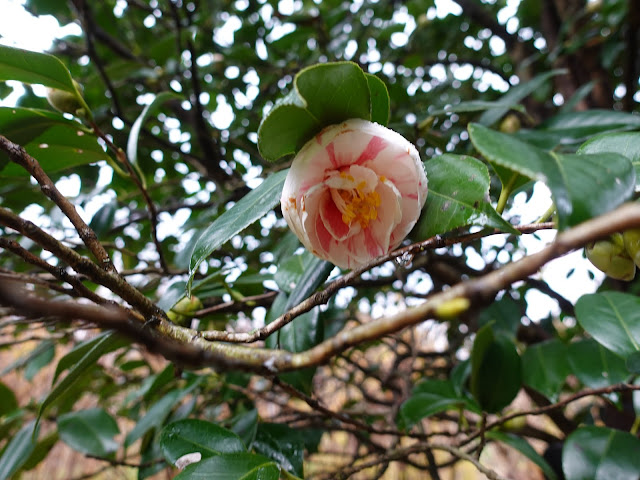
{"x": 354, "y": 192}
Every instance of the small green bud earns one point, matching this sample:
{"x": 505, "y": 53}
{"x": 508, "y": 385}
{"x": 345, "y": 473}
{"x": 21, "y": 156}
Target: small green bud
{"x": 182, "y": 311}
{"x": 66, "y": 102}
{"x": 510, "y": 123}
{"x": 632, "y": 244}
{"x": 610, "y": 256}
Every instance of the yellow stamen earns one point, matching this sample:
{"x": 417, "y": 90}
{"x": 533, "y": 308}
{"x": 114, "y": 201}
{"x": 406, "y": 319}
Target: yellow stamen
{"x": 359, "y": 206}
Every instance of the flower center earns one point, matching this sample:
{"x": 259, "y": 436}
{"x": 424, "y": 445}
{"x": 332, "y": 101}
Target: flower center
{"x": 357, "y": 205}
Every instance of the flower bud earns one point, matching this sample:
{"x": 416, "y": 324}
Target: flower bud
{"x": 611, "y": 257}
{"x": 632, "y": 244}
{"x": 181, "y": 312}
{"x": 66, "y": 102}
{"x": 354, "y": 192}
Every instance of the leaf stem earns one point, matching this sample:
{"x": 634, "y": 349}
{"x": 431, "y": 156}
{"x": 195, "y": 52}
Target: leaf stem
{"x": 506, "y": 193}
{"x": 548, "y": 214}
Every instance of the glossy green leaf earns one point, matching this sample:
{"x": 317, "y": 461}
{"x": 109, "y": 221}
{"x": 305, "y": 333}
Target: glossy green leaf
{"x": 429, "y": 397}
{"x": 18, "y": 450}
{"x": 34, "y": 67}
{"x": 90, "y": 431}
{"x": 583, "y": 186}
{"x": 249, "y": 209}
{"x": 56, "y": 142}
{"x": 598, "y": 453}
{"x": 245, "y": 425}
{"x": 37, "y": 68}
{"x": 545, "y": 367}
{"x": 84, "y": 360}
{"x": 134, "y": 134}
{"x": 496, "y": 373}
{"x": 379, "y": 99}
{"x": 458, "y": 187}
{"x": 191, "y": 435}
{"x": 25, "y": 360}
{"x": 40, "y": 451}
{"x": 574, "y": 126}
{"x": 624, "y": 143}
{"x": 515, "y": 95}
{"x": 9, "y": 402}
{"x": 322, "y": 95}
{"x": 232, "y": 466}
{"x": 522, "y": 446}
{"x": 594, "y": 365}
{"x": 283, "y": 445}
{"x": 613, "y": 319}
{"x": 309, "y": 281}
{"x": 504, "y": 316}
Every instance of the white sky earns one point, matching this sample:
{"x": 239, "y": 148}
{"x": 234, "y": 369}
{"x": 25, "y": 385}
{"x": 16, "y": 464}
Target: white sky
{"x": 19, "y": 28}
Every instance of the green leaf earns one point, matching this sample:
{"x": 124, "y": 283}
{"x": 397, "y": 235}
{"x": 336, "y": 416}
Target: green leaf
{"x": 233, "y": 466}
{"x": 545, "y": 367}
{"x": 40, "y": 360}
{"x": 56, "y": 142}
{"x": 37, "y": 68}
{"x": 245, "y": 425}
{"x": 34, "y": 67}
{"x": 283, "y": 445}
{"x": 90, "y": 431}
{"x": 522, "y": 446}
{"x": 379, "y": 99}
{"x": 311, "y": 278}
{"x": 574, "y": 126}
{"x": 458, "y": 186}
{"x": 84, "y": 361}
{"x": 613, "y": 319}
{"x": 9, "y": 402}
{"x": 598, "y": 453}
{"x": 155, "y": 416}
{"x": 105, "y": 342}
{"x": 322, "y": 95}
{"x": 18, "y": 450}
{"x": 429, "y": 397}
{"x": 594, "y": 365}
{"x": 504, "y": 316}
{"x": 249, "y": 209}
{"x": 624, "y": 143}
{"x": 516, "y": 95}
{"x": 583, "y": 186}
{"x": 496, "y": 373}
{"x": 41, "y": 349}
{"x": 191, "y": 435}
{"x": 134, "y": 134}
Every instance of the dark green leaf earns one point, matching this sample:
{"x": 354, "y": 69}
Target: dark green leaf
{"x": 41, "y": 360}
{"x": 191, "y": 435}
{"x": 90, "y": 431}
{"x": 323, "y": 94}
{"x": 478, "y": 106}
{"x": 598, "y": 453}
{"x": 504, "y": 316}
{"x": 282, "y": 444}
{"x": 613, "y": 319}
{"x": 312, "y": 277}
{"x": 9, "y": 402}
{"x": 245, "y": 425}
{"x": 232, "y": 466}
{"x": 155, "y": 416}
{"x": 583, "y": 186}
{"x": 545, "y": 367}
{"x": 428, "y": 398}
{"x": 496, "y": 373}
{"x": 249, "y": 209}
{"x": 458, "y": 187}
{"x": 594, "y": 365}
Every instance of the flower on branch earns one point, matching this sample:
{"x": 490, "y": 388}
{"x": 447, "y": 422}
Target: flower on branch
{"x": 354, "y": 192}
